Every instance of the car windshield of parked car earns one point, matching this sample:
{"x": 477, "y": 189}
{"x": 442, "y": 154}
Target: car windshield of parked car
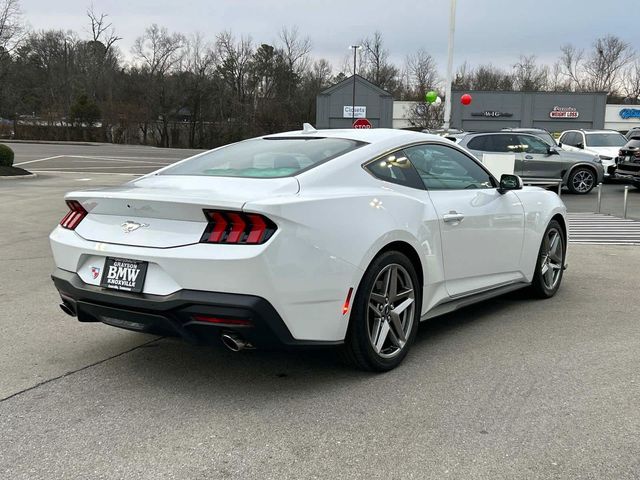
{"x": 269, "y": 157}
{"x": 546, "y": 137}
{"x": 605, "y": 140}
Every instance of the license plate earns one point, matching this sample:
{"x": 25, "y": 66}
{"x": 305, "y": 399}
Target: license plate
{"x": 124, "y": 274}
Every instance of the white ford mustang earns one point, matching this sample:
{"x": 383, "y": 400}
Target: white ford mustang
{"x": 307, "y": 238}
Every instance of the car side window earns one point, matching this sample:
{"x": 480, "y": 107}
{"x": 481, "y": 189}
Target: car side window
{"x": 568, "y": 138}
{"x": 533, "y": 145}
{"x": 445, "y": 168}
{"x": 395, "y": 168}
{"x": 478, "y": 143}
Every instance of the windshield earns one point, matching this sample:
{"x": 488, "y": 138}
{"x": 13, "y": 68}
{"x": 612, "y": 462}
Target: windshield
{"x": 605, "y": 140}
{"x": 265, "y": 157}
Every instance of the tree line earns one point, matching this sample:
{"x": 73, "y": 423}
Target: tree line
{"x": 179, "y": 90}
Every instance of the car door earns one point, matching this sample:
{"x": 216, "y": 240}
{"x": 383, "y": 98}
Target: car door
{"x": 538, "y": 162}
{"x": 497, "y": 143}
{"x": 481, "y": 230}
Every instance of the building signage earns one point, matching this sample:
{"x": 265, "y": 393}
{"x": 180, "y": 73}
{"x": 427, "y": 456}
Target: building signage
{"x": 347, "y": 112}
{"x": 564, "y": 112}
{"x": 627, "y": 113}
{"x": 491, "y": 114}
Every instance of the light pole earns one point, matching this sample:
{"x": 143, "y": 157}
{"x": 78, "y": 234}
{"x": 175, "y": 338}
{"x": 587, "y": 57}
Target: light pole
{"x": 353, "y": 98}
{"x": 447, "y": 93}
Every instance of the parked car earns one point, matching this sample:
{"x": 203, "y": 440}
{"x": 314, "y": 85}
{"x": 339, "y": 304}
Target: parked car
{"x": 537, "y": 161}
{"x": 628, "y": 162}
{"x": 538, "y": 132}
{"x": 343, "y": 238}
{"x": 604, "y": 143}
{"x": 633, "y": 132}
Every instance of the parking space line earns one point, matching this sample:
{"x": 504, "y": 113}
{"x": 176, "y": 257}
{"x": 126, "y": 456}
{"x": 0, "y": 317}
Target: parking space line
{"x": 38, "y": 160}
{"x": 91, "y": 168}
{"x": 92, "y": 173}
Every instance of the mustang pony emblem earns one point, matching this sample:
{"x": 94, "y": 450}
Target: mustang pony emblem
{"x": 130, "y": 226}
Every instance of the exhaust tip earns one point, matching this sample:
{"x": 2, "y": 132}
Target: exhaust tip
{"x": 234, "y": 342}
{"x": 67, "y": 309}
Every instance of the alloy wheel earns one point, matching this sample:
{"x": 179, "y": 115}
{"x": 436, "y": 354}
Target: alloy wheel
{"x": 551, "y": 258}
{"x": 583, "y": 181}
{"x": 390, "y": 311}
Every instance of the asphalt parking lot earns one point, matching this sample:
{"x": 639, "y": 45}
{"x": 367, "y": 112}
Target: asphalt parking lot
{"x": 512, "y": 388}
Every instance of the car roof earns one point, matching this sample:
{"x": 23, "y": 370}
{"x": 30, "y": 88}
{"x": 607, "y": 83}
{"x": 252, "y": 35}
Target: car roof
{"x": 524, "y": 129}
{"x": 368, "y": 135}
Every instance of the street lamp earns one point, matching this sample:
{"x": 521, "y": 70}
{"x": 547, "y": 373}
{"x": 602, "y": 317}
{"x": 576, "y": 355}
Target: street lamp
{"x": 447, "y": 106}
{"x": 353, "y": 99}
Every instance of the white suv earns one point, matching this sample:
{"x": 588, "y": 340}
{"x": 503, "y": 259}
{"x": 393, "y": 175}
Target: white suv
{"x": 604, "y": 143}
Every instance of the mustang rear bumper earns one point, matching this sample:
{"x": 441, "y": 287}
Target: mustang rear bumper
{"x": 179, "y": 314}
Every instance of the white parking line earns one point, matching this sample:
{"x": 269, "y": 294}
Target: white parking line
{"x": 92, "y": 173}
{"x": 38, "y": 160}
{"x": 91, "y": 168}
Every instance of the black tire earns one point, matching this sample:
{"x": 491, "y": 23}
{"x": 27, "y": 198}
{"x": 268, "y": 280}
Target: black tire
{"x": 358, "y": 349}
{"x": 541, "y": 287}
{"x": 582, "y": 180}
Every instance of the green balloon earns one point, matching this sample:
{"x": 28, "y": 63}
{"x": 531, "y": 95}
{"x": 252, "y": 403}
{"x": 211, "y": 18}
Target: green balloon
{"x": 431, "y": 96}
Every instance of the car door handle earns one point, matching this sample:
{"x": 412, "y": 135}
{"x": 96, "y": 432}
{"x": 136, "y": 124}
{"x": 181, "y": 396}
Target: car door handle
{"x": 453, "y": 216}
{"x": 528, "y": 157}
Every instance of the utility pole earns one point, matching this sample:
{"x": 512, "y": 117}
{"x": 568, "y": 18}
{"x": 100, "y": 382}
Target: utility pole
{"x": 353, "y": 98}
{"x": 449, "y": 80}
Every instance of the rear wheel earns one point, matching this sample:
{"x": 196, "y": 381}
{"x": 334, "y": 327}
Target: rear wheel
{"x": 385, "y": 315}
{"x": 582, "y": 180}
{"x": 550, "y": 265}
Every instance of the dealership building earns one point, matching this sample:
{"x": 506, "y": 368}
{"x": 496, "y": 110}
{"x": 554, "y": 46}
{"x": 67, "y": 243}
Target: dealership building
{"x": 489, "y": 110}
{"x": 552, "y": 111}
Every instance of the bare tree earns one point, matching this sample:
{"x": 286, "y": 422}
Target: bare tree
{"x": 571, "y": 66}
{"x": 375, "y": 63}
{"x": 11, "y": 27}
{"x": 529, "y": 76}
{"x": 422, "y": 73}
{"x": 295, "y": 50}
{"x": 606, "y": 62}
{"x": 423, "y": 115}
{"x": 235, "y": 60}
{"x": 631, "y": 85}
{"x": 158, "y": 50}
{"x": 101, "y": 31}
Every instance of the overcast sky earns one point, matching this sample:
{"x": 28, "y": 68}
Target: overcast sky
{"x": 495, "y": 31}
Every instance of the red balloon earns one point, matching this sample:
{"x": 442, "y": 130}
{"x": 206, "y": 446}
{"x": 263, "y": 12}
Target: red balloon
{"x": 465, "y": 99}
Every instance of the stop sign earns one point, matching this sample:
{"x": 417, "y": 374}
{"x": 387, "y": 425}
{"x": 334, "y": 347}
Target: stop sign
{"x": 362, "y": 123}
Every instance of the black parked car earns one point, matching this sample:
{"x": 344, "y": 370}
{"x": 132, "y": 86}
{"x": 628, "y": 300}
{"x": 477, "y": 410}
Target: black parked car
{"x": 628, "y": 162}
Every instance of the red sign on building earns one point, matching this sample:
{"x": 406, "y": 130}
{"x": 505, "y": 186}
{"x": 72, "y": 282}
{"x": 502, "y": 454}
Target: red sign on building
{"x": 362, "y": 123}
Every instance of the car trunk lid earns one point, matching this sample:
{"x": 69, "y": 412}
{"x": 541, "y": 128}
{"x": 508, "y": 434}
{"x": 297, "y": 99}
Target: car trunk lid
{"x": 167, "y": 211}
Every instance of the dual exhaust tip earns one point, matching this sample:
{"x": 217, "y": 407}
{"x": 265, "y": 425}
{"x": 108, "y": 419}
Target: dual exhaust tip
{"x": 235, "y": 342}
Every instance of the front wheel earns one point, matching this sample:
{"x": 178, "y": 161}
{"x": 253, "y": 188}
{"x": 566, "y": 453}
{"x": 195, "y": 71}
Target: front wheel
{"x": 550, "y": 263}
{"x": 385, "y": 314}
{"x": 581, "y": 180}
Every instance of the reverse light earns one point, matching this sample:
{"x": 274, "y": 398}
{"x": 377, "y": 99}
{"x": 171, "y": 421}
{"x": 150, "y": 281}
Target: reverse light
{"x": 347, "y": 302}
{"x": 237, "y": 228}
{"x": 76, "y": 213}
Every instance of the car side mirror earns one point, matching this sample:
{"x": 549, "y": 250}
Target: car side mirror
{"x": 560, "y": 144}
{"x": 509, "y": 182}
{"x": 552, "y": 151}
{"x": 580, "y": 146}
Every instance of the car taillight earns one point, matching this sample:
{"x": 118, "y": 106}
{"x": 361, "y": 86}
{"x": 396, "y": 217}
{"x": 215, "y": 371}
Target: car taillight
{"x": 237, "y": 228}
{"x": 76, "y": 213}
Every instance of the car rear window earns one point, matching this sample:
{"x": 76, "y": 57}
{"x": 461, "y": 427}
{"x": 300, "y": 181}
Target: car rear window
{"x": 268, "y": 157}
{"x": 605, "y": 140}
